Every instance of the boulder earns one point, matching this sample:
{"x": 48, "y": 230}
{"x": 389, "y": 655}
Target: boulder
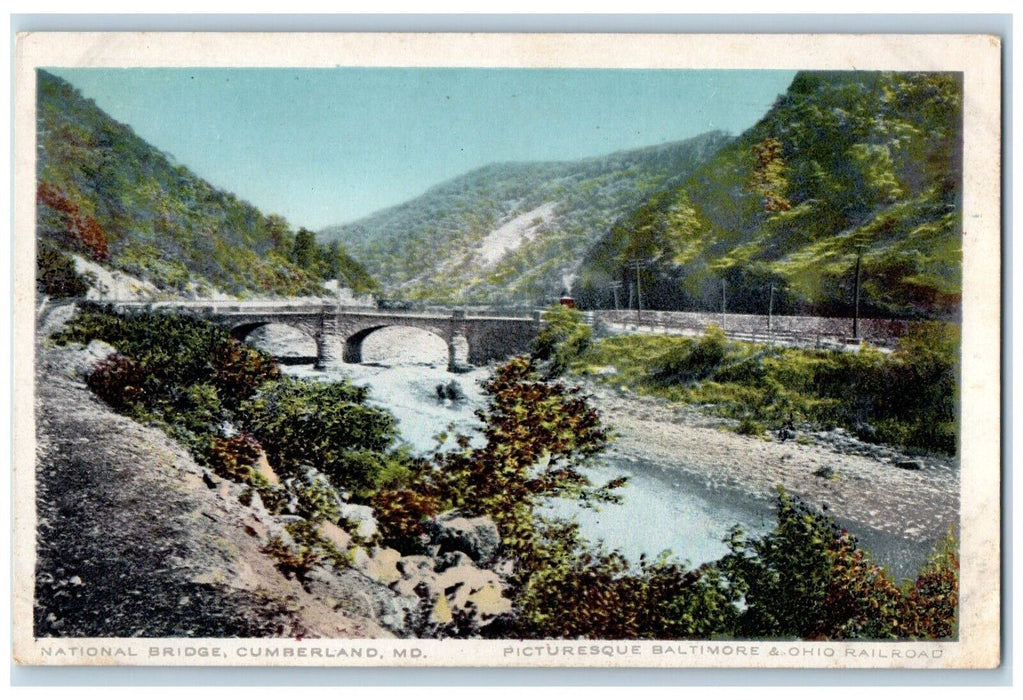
{"x": 380, "y": 564}
{"x": 335, "y": 535}
{"x": 77, "y": 360}
{"x": 361, "y": 518}
{"x": 910, "y": 464}
{"x": 462, "y": 591}
{"x": 477, "y": 537}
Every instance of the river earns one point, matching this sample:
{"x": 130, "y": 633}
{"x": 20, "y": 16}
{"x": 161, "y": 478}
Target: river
{"x": 662, "y": 509}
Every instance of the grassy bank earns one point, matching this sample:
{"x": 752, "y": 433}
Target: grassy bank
{"x": 907, "y": 398}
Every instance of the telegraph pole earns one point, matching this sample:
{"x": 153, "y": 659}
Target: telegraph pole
{"x": 615, "y": 286}
{"x": 856, "y": 294}
{"x": 636, "y": 264}
{"x": 723, "y": 303}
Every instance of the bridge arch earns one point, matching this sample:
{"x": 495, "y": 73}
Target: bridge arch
{"x": 292, "y": 344}
{"x": 415, "y": 343}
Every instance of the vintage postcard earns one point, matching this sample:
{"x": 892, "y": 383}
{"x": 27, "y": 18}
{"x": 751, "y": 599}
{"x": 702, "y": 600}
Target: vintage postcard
{"x": 507, "y": 350}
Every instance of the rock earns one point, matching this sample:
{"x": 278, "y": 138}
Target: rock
{"x": 477, "y": 537}
{"x": 263, "y": 468}
{"x": 457, "y": 591}
{"x": 335, "y": 535}
{"x": 910, "y": 464}
{"x": 825, "y": 472}
{"x": 450, "y": 559}
{"x": 381, "y": 565}
{"x": 79, "y": 361}
{"x": 361, "y": 519}
{"x": 414, "y": 565}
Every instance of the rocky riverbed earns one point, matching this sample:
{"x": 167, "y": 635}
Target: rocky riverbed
{"x": 873, "y": 486}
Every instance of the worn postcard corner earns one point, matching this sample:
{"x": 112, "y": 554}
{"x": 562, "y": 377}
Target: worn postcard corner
{"x": 507, "y": 350}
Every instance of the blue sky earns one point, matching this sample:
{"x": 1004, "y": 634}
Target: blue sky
{"x": 328, "y": 146}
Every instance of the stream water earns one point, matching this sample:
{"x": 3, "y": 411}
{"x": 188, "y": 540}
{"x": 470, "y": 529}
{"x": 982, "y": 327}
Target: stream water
{"x": 662, "y": 509}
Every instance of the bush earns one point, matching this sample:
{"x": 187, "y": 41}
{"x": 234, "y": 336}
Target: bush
{"x": 325, "y": 424}
{"x": 563, "y": 339}
{"x": 808, "y": 579}
{"x": 120, "y": 381}
{"x": 581, "y": 593}
{"x": 178, "y": 351}
{"x": 402, "y": 515}
{"x": 932, "y": 604}
{"x": 693, "y": 361}
{"x": 56, "y": 275}
{"x": 233, "y": 457}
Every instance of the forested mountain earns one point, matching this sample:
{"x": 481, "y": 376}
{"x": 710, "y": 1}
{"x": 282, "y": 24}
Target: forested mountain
{"x": 106, "y": 194}
{"x": 846, "y": 170}
{"x": 512, "y": 232}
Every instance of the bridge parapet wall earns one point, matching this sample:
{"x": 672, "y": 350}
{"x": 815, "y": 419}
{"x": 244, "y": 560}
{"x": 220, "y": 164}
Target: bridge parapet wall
{"x": 340, "y": 330}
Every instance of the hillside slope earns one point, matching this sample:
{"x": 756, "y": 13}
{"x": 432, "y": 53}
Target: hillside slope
{"x": 137, "y": 540}
{"x": 512, "y": 232}
{"x": 845, "y": 167}
{"x": 106, "y": 194}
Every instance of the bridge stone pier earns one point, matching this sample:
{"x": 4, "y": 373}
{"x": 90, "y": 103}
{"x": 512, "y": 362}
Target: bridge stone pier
{"x": 339, "y": 331}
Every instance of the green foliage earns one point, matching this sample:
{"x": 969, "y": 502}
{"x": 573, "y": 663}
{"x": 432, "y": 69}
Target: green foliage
{"x": 693, "y": 361}
{"x": 563, "y": 206}
{"x": 843, "y": 164}
{"x": 402, "y": 513}
{"x": 178, "y": 352}
{"x": 318, "y": 502}
{"x": 105, "y": 193}
{"x": 56, "y": 275}
{"x": 233, "y": 457}
{"x": 321, "y": 423}
{"x": 563, "y": 339}
{"x": 908, "y": 397}
{"x": 807, "y": 579}
{"x": 577, "y": 592}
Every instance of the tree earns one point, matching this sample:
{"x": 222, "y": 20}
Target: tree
{"x": 768, "y": 176}
{"x": 564, "y": 338}
{"x": 539, "y": 437}
{"x": 306, "y": 253}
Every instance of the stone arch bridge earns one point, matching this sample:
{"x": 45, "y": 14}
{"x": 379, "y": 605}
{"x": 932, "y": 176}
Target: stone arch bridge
{"x": 339, "y": 330}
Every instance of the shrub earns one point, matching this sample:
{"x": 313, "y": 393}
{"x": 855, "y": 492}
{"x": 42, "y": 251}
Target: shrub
{"x": 233, "y": 457}
{"x": 325, "y": 424}
{"x": 932, "y": 603}
{"x": 120, "y": 381}
{"x": 56, "y": 275}
{"x": 294, "y": 561}
{"x": 317, "y": 502}
{"x": 563, "y": 339}
{"x": 692, "y": 361}
{"x": 807, "y": 579}
{"x": 581, "y": 593}
{"x": 748, "y": 426}
{"x": 402, "y": 515}
{"x": 784, "y": 575}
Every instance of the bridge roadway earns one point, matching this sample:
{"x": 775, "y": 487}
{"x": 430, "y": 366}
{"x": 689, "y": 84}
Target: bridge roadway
{"x": 339, "y": 331}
